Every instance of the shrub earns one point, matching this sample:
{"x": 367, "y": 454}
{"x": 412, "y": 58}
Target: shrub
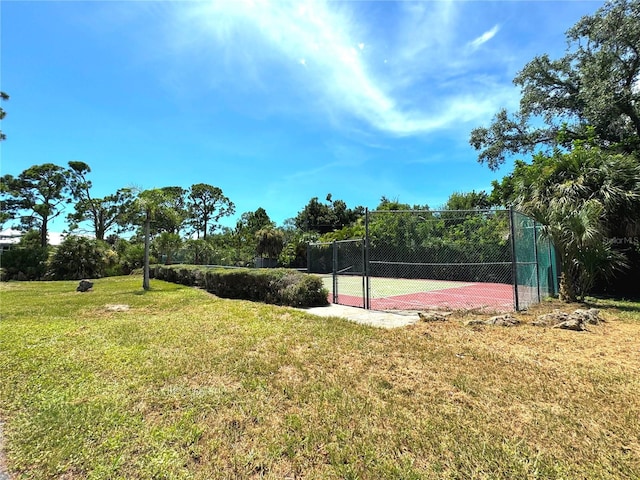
{"x": 274, "y": 286}
{"x": 80, "y": 257}
{"x": 25, "y": 263}
{"x": 130, "y": 255}
{"x": 242, "y": 284}
{"x": 306, "y": 291}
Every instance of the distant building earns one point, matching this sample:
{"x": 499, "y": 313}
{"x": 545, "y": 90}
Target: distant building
{"x": 10, "y": 237}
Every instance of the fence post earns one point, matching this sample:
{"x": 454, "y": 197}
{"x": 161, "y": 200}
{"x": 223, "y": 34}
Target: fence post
{"x": 552, "y": 280}
{"x": 364, "y": 283}
{"x": 334, "y": 269}
{"x": 537, "y": 259}
{"x": 514, "y": 260}
{"x": 367, "y": 301}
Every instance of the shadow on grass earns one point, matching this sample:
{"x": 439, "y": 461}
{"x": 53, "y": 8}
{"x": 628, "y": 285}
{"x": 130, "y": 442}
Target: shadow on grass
{"x": 142, "y": 292}
{"x": 622, "y": 304}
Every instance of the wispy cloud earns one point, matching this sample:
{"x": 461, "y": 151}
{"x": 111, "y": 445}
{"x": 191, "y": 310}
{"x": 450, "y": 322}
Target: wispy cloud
{"x": 331, "y": 51}
{"x": 485, "y": 37}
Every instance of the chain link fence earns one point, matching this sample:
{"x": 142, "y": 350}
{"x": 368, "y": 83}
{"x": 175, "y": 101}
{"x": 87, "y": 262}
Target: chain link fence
{"x": 342, "y": 266}
{"x": 476, "y": 259}
{"x": 535, "y": 268}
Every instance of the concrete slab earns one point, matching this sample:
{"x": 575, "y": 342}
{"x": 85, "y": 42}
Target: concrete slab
{"x": 380, "y": 319}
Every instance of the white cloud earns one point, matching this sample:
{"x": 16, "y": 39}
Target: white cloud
{"x": 399, "y": 90}
{"x": 484, "y": 38}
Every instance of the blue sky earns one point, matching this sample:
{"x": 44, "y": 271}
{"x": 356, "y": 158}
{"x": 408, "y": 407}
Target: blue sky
{"x": 273, "y": 102}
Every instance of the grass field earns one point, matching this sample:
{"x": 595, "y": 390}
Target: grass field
{"x": 181, "y": 384}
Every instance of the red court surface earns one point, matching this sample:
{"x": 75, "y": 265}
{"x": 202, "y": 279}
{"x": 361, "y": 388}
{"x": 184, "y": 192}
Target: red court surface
{"x": 494, "y": 297}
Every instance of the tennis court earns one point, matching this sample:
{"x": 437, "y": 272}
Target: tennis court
{"x": 419, "y": 294}
{"x": 489, "y": 260}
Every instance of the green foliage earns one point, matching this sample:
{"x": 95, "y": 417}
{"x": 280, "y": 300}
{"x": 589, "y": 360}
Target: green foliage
{"x": 437, "y": 239}
{"x": 3, "y": 97}
{"x": 130, "y": 255}
{"x": 583, "y": 198}
{"x": 227, "y": 248}
{"x": 167, "y": 245}
{"x": 350, "y": 232}
{"x": 170, "y": 211}
{"x": 103, "y": 214}
{"x": 25, "y": 263}
{"x": 80, "y": 257}
{"x": 244, "y": 237}
{"x": 254, "y": 221}
{"x": 27, "y": 260}
{"x": 206, "y": 205}
{"x": 395, "y": 204}
{"x": 162, "y": 208}
{"x": 199, "y": 251}
{"x": 36, "y": 196}
{"x": 301, "y": 291}
{"x": 420, "y": 243}
{"x": 326, "y": 217}
{"x": 469, "y": 201}
{"x": 270, "y": 242}
{"x": 590, "y": 93}
{"x": 274, "y": 286}
{"x": 294, "y": 253}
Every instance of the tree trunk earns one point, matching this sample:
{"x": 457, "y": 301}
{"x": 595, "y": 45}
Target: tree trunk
{"x": 567, "y": 291}
{"x": 44, "y": 241}
{"x": 147, "y": 228}
{"x": 100, "y": 228}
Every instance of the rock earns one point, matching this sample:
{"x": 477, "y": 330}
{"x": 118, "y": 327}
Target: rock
{"x": 506, "y": 320}
{"x": 475, "y": 321}
{"x": 570, "y": 321}
{"x": 591, "y": 316}
{"x": 84, "y": 286}
{"x": 550, "y": 319}
{"x": 433, "y": 316}
{"x": 575, "y": 324}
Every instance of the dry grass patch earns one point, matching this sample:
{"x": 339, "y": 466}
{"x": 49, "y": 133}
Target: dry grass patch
{"x": 186, "y": 385}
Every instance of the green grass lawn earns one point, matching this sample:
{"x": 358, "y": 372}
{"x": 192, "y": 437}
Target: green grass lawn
{"x": 186, "y": 385}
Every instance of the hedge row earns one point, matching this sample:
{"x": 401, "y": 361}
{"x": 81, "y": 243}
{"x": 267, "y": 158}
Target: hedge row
{"x": 274, "y": 286}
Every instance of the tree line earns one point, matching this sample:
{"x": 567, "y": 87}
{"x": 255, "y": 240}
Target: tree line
{"x": 575, "y": 143}
{"x": 168, "y": 224}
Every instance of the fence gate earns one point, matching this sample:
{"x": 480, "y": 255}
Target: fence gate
{"x": 341, "y": 264}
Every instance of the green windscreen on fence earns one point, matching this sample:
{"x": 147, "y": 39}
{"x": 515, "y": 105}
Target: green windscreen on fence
{"x": 524, "y": 260}
{"x": 454, "y": 259}
{"x": 320, "y": 258}
{"x": 547, "y": 266}
{"x": 534, "y": 262}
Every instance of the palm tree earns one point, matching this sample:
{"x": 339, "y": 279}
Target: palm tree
{"x": 585, "y": 253}
{"x": 150, "y": 203}
{"x": 168, "y": 244}
{"x": 270, "y": 242}
{"x": 582, "y": 198}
